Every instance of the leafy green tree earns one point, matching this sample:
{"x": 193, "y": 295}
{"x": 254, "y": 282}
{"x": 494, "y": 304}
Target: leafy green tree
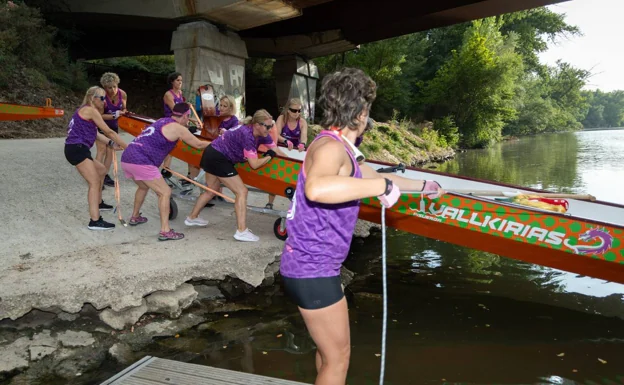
{"x": 535, "y": 29}
{"x": 476, "y": 86}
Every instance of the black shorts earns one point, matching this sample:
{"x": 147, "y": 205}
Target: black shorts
{"x": 215, "y": 163}
{"x": 116, "y": 129}
{"x": 76, "y": 153}
{"x": 314, "y": 293}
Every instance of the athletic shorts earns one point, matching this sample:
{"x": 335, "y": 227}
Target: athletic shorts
{"x": 215, "y": 163}
{"x": 116, "y": 129}
{"x": 140, "y": 171}
{"x": 314, "y": 293}
{"x": 76, "y": 153}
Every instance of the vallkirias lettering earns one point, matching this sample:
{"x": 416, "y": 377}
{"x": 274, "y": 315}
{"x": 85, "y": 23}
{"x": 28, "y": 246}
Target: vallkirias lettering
{"x": 494, "y": 223}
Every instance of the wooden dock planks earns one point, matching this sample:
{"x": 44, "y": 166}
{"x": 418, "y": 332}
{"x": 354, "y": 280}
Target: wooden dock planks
{"x": 159, "y": 371}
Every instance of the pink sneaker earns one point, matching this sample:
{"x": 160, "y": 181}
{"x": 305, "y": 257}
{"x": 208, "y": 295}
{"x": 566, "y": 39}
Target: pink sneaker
{"x": 169, "y": 236}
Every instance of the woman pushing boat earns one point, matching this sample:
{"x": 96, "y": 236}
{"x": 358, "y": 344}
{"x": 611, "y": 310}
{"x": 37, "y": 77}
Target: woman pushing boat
{"x": 323, "y": 213}
{"x": 218, "y": 160}
{"x": 82, "y": 132}
{"x": 146, "y": 152}
{"x": 115, "y": 106}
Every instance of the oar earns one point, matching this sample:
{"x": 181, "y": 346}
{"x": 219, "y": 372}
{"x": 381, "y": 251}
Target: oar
{"x": 227, "y": 198}
{"x": 199, "y": 122}
{"x": 117, "y": 193}
{"x": 497, "y": 193}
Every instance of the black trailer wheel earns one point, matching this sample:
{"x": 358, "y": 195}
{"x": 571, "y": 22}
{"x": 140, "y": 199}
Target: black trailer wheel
{"x": 173, "y": 209}
{"x": 279, "y": 229}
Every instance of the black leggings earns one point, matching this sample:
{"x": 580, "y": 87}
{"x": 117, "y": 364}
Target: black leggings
{"x": 314, "y": 293}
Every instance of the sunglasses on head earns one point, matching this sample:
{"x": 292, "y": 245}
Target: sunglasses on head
{"x": 267, "y": 126}
{"x": 294, "y": 110}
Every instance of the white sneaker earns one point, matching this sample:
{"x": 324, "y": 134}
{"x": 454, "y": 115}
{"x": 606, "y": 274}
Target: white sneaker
{"x": 196, "y": 222}
{"x": 246, "y": 236}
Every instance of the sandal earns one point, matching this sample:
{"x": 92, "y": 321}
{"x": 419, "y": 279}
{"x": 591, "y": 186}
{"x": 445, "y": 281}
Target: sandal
{"x": 170, "y": 235}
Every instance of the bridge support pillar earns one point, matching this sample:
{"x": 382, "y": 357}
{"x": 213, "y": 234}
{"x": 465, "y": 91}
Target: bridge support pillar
{"x": 204, "y": 55}
{"x": 296, "y": 77}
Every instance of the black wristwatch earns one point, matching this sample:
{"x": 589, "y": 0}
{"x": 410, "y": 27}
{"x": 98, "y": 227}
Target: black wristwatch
{"x": 389, "y": 186}
{"x": 111, "y": 143}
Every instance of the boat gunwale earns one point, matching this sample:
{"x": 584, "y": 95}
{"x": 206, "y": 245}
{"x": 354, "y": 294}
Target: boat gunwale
{"x": 465, "y": 196}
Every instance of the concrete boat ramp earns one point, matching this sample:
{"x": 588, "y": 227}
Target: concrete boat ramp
{"x": 50, "y": 261}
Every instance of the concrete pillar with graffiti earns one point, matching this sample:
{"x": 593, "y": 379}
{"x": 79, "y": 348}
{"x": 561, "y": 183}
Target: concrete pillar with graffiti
{"x": 213, "y": 59}
{"x": 296, "y": 77}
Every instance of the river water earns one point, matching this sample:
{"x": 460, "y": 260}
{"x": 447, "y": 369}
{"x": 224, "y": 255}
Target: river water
{"x": 456, "y": 315}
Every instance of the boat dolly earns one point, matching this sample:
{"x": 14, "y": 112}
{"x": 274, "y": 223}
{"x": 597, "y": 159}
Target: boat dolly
{"x": 188, "y": 192}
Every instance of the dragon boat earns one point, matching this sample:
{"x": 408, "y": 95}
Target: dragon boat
{"x": 568, "y": 233}
{"x": 26, "y": 112}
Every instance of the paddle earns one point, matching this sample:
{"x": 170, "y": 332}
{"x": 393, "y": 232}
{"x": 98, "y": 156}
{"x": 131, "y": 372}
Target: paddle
{"x": 199, "y": 122}
{"x": 227, "y": 198}
{"x": 117, "y": 192}
{"x": 496, "y": 193}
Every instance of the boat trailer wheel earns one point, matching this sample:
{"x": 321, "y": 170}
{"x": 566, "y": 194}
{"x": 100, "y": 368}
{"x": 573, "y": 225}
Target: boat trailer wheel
{"x": 279, "y": 229}
{"x": 173, "y": 209}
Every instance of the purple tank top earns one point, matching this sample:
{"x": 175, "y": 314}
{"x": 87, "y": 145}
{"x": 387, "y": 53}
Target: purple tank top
{"x": 234, "y": 144}
{"x": 81, "y": 131}
{"x": 319, "y": 234}
{"x": 292, "y": 135}
{"x": 151, "y": 146}
{"x": 111, "y": 107}
{"x": 229, "y": 124}
{"x": 176, "y": 100}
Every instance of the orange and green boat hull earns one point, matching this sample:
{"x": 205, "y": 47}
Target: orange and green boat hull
{"x": 550, "y": 239}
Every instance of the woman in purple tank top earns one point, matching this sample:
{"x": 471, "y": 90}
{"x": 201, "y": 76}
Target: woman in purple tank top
{"x": 170, "y": 99}
{"x": 323, "y": 214}
{"x": 146, "y": 152}
{"x": 115, "y": 106}
{"x": 82, "y": 133}
{"x": 292, "y": 131}
{"x": 227, "y": 108}
{"x": 218, "y": 160}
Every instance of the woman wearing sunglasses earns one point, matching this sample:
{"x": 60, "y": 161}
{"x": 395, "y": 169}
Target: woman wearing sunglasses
{"x": 218, "y": 159}
{"x": 146, "y": 152}
{"x": 82, "y": 132}
{"x": 323, "y": 214}
{"x": 292, "y": 131}
{"x": 292, "y": 128}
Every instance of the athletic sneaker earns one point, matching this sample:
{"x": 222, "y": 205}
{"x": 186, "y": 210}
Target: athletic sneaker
{"x": 105, "y": 207}
{"x": 246, "y": 236}
{"x": 137, "y": 220}
{"x": 196, "y": 222}
{"x": 170, "y": 235}
{"x": 108, "y": 181}
{"x": 100, "y": 224}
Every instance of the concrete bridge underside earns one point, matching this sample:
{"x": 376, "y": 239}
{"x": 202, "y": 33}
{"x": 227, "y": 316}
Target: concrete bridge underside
{"x": 269, "y": 28}
{"x": 211, "y": 39}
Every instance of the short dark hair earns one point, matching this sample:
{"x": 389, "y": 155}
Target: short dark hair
{"x": 344, "y": 95}
{"x": 172, "y": 76}
{"x": 181, "y": 109}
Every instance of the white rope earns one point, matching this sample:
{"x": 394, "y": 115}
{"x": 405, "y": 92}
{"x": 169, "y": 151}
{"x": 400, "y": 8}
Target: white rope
{"x": 385, "y": 295}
